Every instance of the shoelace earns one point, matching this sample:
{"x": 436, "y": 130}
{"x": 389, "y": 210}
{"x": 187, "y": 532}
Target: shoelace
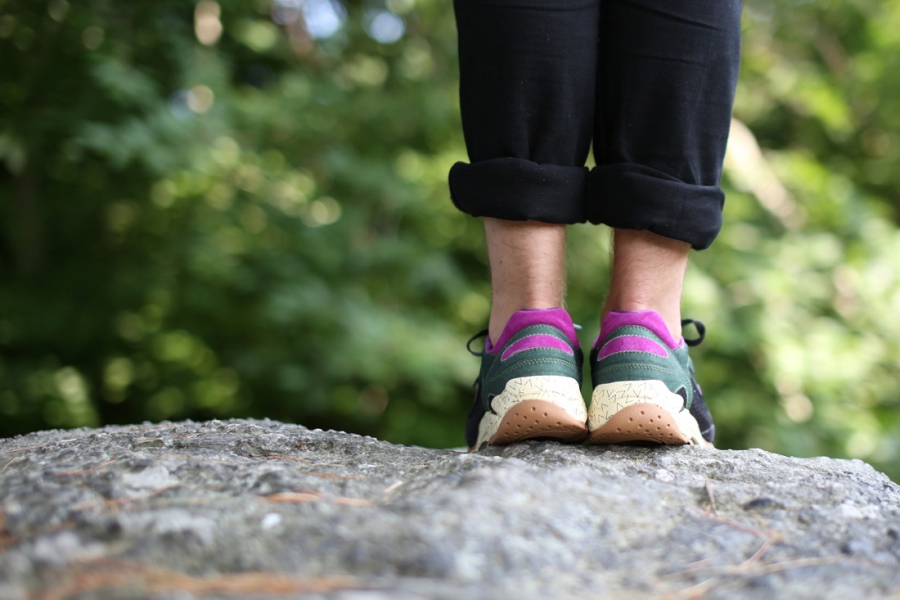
{"x": 482, "y": 333}
{"x": 701, "y": 331}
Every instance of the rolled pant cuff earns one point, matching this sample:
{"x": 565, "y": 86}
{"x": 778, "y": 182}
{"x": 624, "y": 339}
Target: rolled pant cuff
{"x": 630, "y": 196}
{"x": 520, "y": 190}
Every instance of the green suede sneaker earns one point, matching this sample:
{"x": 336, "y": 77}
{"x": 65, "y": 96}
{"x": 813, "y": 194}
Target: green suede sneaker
{"x": 644, "y": 384}
{"x": 530, "y": 383}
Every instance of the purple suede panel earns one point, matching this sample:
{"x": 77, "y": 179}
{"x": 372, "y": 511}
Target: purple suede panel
{"x": 632, "y": 343}
{"x": 536, "y": 341}
{"x": 557, "y": 317}
{"x": 649, "y": 319}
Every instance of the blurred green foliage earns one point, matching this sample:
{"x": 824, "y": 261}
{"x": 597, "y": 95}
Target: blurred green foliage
{"x": 240, "y": 209}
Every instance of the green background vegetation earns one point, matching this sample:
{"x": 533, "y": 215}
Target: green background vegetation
{"x": 240, "y": 209}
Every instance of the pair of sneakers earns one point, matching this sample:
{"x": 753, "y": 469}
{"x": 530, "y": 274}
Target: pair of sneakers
{"x": 644, "y": 389}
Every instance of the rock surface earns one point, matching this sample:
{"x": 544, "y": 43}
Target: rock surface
{"x": 260, "y": 509}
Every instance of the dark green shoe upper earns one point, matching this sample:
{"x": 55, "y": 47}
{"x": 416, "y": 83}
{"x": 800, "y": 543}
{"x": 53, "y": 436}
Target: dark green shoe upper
{"x": 534, "y": 343}
{"x": 637, "y": 346}
{"x": 634, "y": 360}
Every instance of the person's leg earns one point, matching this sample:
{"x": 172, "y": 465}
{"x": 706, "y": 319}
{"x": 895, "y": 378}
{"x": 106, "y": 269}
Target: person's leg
{"x": 668, "y": 70}
{"x": 527, "y": 94}
{"x": 528, "y": 268}
{"x": 527, "y": 85}
{"x": 665, "y": 87}
{"x": 647, "y": 274}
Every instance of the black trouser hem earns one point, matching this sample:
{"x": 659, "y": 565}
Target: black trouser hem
{"x": 515, "y": 189}
{"x": 631, "y": 196}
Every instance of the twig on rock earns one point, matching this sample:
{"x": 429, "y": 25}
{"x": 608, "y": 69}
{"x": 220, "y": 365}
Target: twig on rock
{"x": 331, "y": 476}
{"x": 300, "y": 497}
{"x": 747, "y": 569}
{"x": 393, "y": 487}
{"x": 698, "y": 563}
{"x": 186, "y": 500}
{"x": 315, "y": 473}
{"x": 152, "y": 581}
{"x": 729, "y": 569}
{"x": 352, "y": 501}
{"x": 695, "y": 591}
{"x": 748, "y": 566}
{"x": 711, "y": 496}
{"x": 303, "y": 460}
{"x": 796, "y": 563}
{"x": 36, "y": 447}
{"x": 758, "y": 554}
{"x": 113, "y": 505}
{"x": 85, "y": 471}
{"x": 294, "y": 497}
{"x": 16, "y": 459}
{"x": 735, "y": 524}
{"x": 766, "y": 526}
{"x": 205, "y": 461}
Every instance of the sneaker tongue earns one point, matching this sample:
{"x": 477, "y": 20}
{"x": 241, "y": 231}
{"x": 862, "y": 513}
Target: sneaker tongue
{"x": 556, "y": 317}
{"x": 649, "y": 319}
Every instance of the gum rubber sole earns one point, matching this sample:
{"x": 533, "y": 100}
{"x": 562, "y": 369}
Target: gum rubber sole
{"x": 530, "y": 419}
{"x": 540, "y": 406}
{"x": 643, "y": 422}
{"x": 641, "y": 411}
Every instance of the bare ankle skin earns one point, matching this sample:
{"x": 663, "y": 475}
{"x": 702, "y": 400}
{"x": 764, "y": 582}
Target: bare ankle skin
{"x": 528, "y": 267}
{"x": 648, "y": 274}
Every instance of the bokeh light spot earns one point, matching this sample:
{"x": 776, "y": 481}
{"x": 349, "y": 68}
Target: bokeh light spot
{"x": 93, "y": 37}
{"x": 369, "y": 71}
{"x": 207, "y": 25}
{"x": 119, "y": 373}
{"x": 58, "y": 9}
{"x": 385, "y": 27}
{"x": 323, "y": 211}
{"x": 324, "y": 18}
{"x": 259, "y": 36}
{"x": 400, "y": 7}
{"x": 798, "y": 407}
{"x": 7, "y": 26}
{"x": 200, "y": 99}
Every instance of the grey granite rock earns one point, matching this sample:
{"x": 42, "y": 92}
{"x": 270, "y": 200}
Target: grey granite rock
{"x": 260, "y": 509}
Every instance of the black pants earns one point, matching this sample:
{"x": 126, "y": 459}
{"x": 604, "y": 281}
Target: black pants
{"x": 650, "y": 82}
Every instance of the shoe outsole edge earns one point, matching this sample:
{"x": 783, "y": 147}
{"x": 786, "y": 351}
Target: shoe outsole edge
{"x": 641, "y": 411}
{"x": 545, "y": 406}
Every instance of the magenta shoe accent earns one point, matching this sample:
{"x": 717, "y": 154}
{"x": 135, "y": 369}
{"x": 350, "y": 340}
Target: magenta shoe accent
{"x": 649, "y": 319}
{"x": 536, "y": 341}
{"x": 631, "y": 343}
{"x": 555, "y": 317}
